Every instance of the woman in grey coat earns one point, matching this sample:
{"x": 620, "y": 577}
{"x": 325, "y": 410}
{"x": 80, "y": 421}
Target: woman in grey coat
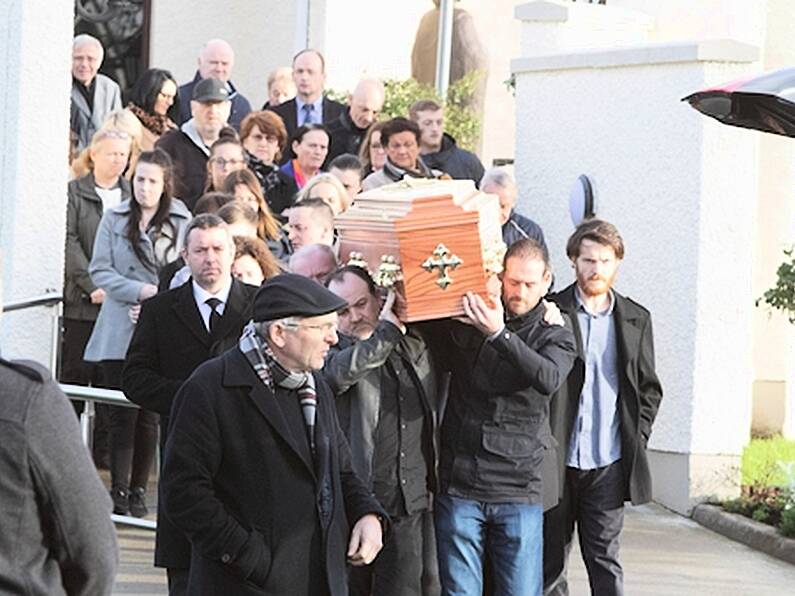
{"x": 134, "y": 241}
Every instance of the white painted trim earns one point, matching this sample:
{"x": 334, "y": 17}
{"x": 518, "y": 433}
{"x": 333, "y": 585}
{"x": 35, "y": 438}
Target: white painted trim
{"x": 711, "y": 50}
{"x": 301, "y": 38}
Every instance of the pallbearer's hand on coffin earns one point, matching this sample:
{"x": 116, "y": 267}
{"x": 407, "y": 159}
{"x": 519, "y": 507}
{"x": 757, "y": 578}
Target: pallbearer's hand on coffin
{"x": 552, "y": 314}
{"x": 488, "y": 318}
{"x": 389, "y": 311}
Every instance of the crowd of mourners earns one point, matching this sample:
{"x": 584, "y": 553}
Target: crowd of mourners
{"x": 312, "y": 442}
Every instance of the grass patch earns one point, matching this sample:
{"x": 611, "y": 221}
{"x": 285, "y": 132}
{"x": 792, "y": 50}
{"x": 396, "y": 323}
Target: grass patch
{"x": 761, "y": 462}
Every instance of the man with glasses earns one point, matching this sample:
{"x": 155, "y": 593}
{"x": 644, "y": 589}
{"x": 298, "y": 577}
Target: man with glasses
{"x": 94, "y": 95}
{"x": 400, "y": 138}
{"x": 189, "y": 146}
{"x": 257, "y": 472}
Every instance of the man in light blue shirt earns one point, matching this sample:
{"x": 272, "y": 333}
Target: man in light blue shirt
{"x": 602, "y": 418}
{"x": 309, "y": 106}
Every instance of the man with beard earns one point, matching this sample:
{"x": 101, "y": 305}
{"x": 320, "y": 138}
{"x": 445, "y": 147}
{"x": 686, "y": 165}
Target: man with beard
{"x": 603, "y": 418}
{"x": 386, "y": 390}
{"x": 506, "y": 363}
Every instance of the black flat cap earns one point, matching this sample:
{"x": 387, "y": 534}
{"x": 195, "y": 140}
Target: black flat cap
{"x": 291, "y": 295}
{"x": 210, "y": 90}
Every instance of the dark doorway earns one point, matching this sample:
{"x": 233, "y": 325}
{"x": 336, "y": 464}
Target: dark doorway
{"x": 123, "y": 28}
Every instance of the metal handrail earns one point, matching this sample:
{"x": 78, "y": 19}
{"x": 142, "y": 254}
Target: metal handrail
{"x": 90, "y": 396}
{"x": 50, "y": 298}
{"x": 47, "y": 299}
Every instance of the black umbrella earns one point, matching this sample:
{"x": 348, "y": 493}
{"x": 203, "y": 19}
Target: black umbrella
{"x": 765, "y": 102}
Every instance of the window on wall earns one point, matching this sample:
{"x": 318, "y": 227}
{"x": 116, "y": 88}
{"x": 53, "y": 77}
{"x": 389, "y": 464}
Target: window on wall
{"x": 123, "y": 28}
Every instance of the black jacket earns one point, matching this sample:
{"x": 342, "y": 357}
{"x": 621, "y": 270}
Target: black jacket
{"x": 249, "y": 497}
{"x": 190, "y": 166}
{"x": 83, "y": 211}
{"x": 169, "y": 342}
{"x": 353, "y": 371}
{"x": 240, "y": 105}
{"x": 459, "y": 163}
{"x": 495, "y": 430}
{"x": 639, "y": 392}
{"x": 288, "y": 112}
{"x": 346, "y": 137}
{"x": 278, "y": 187}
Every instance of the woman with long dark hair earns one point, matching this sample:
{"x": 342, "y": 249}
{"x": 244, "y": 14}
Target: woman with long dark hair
{"x": 154, "y": 101}
{"x": 134, "y": 241}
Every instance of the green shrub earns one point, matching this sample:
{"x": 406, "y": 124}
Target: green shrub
{"x": 765, "y": 462}
{"x": 782, "y": 295}
{"x": 761, "y": 514}
{"x": 787, "y": 526}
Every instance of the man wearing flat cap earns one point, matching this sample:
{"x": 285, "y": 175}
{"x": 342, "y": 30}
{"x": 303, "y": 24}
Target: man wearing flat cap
{"x": 257, "y": 472}
{"x": 189, "y": 145}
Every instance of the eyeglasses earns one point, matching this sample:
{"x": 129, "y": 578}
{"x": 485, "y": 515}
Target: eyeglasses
{"x": 325, "y": 328}
{"x": 222, "y": 163}
{"x": 115, "y": 133}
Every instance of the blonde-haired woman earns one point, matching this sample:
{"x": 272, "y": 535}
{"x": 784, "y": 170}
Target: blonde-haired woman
{"x": 328, "y": 188}
{"x": 122, "y": 120}
{"x": 88, "y": 197}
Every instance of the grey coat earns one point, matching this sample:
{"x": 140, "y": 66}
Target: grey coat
{"x": 85, "y": 122}
{"x": 56, "y": 536}
{"x": 116, "y": 269}
{"x": 83, "y": 213}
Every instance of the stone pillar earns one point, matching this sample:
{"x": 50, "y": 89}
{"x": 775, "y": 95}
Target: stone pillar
{"x": 681, "y": 188}
{"x": 35, "y": 67}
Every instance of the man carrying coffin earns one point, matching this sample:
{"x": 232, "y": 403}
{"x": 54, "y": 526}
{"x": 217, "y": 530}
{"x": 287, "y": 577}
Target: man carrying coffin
{"x": 505, "y": 364}
{"x": 386, "y": 388}
{"x": 257, "y": 471}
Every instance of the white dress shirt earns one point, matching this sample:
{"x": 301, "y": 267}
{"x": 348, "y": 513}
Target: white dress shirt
{"x": 200, "y": 295}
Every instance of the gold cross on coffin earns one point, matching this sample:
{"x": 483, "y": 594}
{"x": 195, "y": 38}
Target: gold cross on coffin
{"x": 442, "y": 260}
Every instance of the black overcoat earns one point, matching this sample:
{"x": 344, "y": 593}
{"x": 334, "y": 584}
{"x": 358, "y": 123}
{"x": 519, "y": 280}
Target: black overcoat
{"x": 169, "y": 342}
{"x": 639, "y": 392}
{"x": 262, "y": 517}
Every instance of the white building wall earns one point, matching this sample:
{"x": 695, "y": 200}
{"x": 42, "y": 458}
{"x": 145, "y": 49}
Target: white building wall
{"x": 262, "y": 32}
{"x": 682, "y": 190}
{"x": 34, "y": 131}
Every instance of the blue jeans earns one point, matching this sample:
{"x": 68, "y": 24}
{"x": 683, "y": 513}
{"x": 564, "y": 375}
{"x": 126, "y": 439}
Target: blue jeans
{"x": 510, "y": 534}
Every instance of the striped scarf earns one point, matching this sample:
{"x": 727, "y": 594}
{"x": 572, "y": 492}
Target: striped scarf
{"x": 273, "y": 374}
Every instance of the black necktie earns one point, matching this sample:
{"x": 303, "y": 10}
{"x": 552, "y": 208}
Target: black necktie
{"x": 215, "y": 316}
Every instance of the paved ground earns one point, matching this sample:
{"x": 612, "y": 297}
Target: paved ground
{"x": 669, "y": 555}
{"x": 663, "y": 554}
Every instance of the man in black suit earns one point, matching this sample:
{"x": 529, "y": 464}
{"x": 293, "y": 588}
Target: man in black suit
{"x": 603, "y": 416}
{"x": 257, "y": 471}
{"x": 309, "y": 106}
{"x": 176, "y": 331}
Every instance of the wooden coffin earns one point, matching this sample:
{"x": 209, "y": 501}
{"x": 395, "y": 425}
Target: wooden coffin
{"x": 442, "y": 238}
